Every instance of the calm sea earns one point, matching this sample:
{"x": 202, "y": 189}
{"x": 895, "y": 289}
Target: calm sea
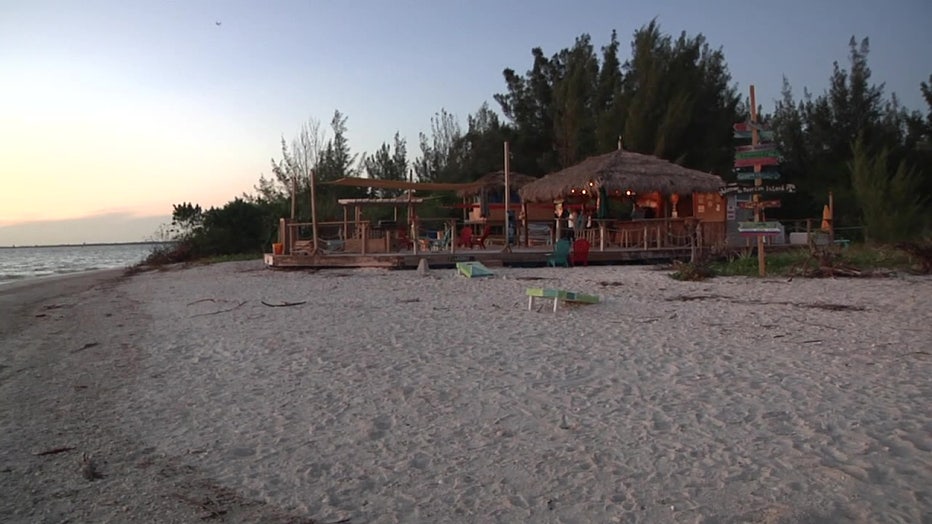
{"x": 18, "y": 263}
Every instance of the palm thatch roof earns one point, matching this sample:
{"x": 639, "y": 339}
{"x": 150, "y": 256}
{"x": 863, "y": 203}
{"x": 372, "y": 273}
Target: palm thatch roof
{"x": 495, "y": 180}
{"x": 618, "y": 172}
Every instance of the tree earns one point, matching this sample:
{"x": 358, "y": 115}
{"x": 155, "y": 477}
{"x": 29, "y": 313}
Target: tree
{"x": 672, "y": 99}
{"x": 387, "y": 164}
{"x": 892, "y": 206}
{"x": 815, "y": 137}
{"x": 609, "y": 104}
{"x": 187, "y": 218}
{"x": 680, "y": 104}
{"x": 336, "y": 159}
{"x": 441, "y": 156}
{"x": 293, "y": 171}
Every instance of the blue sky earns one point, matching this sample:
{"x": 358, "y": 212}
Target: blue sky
{"x": 123, "y": 108}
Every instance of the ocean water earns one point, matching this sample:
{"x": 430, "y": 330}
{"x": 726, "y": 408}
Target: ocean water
{"x": 19, "y": 263}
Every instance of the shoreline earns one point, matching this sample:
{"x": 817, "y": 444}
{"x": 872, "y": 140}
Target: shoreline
{"x": 382, "y": 396}
{"x": 19, "y": 295}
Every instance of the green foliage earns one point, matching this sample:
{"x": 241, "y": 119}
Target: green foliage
{"x": 187, "y": 218}
{"x": 867, "y": 259}
{"x": 891, "y": 203}
{"x": 692, "y": 271}
{"x": 386, "y": 164}
{"x": 815, "y": 137}
{"x": 441, "y": 157}
{"x": 242, "y": 226}
{"x": 672, "y": 100}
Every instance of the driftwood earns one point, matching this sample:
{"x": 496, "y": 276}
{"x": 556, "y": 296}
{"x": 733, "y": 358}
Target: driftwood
{"x": 220, "y": 311}
{"x": 53, "y": 451}
{"x": 284, "y": 304}
{"x": 85, "y": 346}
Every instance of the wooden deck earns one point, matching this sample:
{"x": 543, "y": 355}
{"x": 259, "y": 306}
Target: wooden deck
{"x": 518, "y": 256}
{"x": 612, "y": 242}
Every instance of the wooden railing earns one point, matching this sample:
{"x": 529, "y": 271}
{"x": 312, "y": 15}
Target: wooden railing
{"x": 366, "y": 237}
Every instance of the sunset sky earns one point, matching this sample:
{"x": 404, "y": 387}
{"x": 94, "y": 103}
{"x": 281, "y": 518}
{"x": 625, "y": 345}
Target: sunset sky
{"x": 112, "y": 111}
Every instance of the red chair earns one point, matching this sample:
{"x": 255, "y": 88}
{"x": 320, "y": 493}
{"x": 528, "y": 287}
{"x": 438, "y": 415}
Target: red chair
{"x": 403, "y": 240}
{"x": 580, "y": 254}
{"x": 480, "y": 241}
{"x": 465, "y": 239}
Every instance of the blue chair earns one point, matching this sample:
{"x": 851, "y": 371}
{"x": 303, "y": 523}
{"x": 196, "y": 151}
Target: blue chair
{"x": 560, "y": 255}
{"x": 442, "y": 243}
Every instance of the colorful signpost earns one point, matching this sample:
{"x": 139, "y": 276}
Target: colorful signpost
{"x": 761, "y": 152}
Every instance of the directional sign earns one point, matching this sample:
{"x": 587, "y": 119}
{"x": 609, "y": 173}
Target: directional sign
{"x": 748, "y": 126}
{"x": 763, "y": 135}
{"x": 766, "y": 146}
{"x": 767, "y": 188}
{"x": 758, "y": 153}
{"x": 763, "y": 175}
{"x": 762, "y": 204}
{"x": 759, "y": 228}
{"x": 743, "y": 130}
{"x": 758, "y": 161}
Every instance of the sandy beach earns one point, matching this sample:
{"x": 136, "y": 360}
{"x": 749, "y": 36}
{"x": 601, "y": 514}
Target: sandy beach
{"x": 234, "y": 393}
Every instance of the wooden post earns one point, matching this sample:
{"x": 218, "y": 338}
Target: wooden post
{"x": 758, "y": 210}
{"x": 314, "y": 211}
{"x": 602, "y": 235}
{"x": 345, "y": 224}
{"x": 691, "y": 233}
{"x": 527, "y": 241}
{"x": 294, "y": 197}
{"x": 365, "y": 238}
{"x": 283, "y": 234}
{"x": 507, "y": 199}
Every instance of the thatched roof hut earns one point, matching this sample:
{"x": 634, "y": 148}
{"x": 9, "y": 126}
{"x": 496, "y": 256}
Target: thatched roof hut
{"x": 496, "y": 180}
{"x": 618, "y": 172}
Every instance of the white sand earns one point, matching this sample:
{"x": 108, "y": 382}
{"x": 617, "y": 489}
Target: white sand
{"x": 392, "y": 397}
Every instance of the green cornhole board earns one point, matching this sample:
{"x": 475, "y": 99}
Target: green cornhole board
{"x": 473, "y": 269}
{"x": 557, "y": 295}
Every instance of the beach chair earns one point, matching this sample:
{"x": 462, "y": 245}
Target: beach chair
{"x": 560, "y": 255}
{"x": 403, "y": 240}
{"x": 480, "y": 240}
{"x": 580, "y": 254}
{"x": 465, "y": 238}
{"x": 443, "y": 242}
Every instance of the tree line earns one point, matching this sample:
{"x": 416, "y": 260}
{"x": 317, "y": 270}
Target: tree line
{"x": 674, "y": 98}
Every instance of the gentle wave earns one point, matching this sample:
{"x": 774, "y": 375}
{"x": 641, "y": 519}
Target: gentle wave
{"x": 20, "y": 263}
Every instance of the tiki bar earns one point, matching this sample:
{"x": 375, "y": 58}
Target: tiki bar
{"x": 617, "y": 207}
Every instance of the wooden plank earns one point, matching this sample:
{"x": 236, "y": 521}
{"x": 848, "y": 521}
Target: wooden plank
{"x": 766, "y": 188}
{"x": 766, "y": 146}
{"x": 761, "y": 204}
{"x": 747, "y": 127}
{"x": 759, "y": 153}
{"x": 760, "y": 227}
{"x": 764, "y": 135}
{"x": 759, "y": 161}
{"x": 763, "y": 175}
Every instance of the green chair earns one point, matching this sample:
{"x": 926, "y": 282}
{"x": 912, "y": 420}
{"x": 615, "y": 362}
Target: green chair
{"x": 560, "y": 255}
